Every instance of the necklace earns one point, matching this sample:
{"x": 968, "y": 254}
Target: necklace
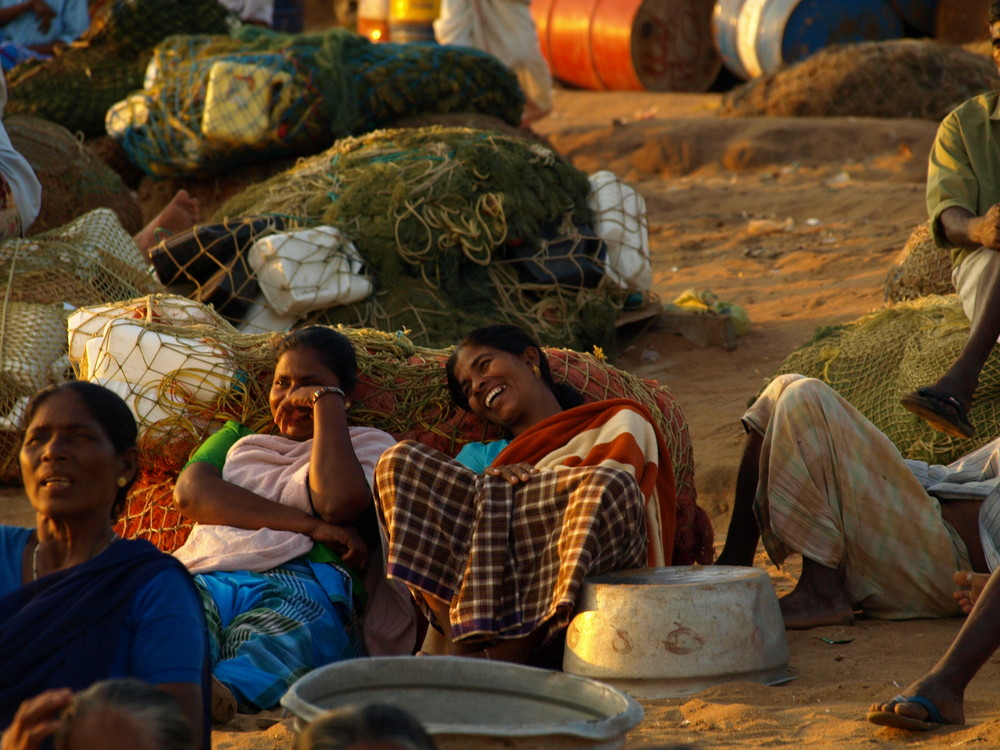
{"x": 34, "y": 554}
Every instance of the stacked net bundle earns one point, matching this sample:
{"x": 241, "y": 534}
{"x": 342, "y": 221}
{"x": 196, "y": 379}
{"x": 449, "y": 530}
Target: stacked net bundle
{"x": 76, "y": 87}
{"x": 401, "y": 390}
{"x": 896, "y": 78}
{"x": 74, "y": 181}
{"x": 214, "y": 101}
{"x": 920, "y": 269}
{"x": 88, "y": 261}
{"x": 458, "y": 228}
{"x": 875, "y": 360}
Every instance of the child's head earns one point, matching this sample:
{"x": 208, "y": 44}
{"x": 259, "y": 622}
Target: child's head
{"x": 372, "y": 727}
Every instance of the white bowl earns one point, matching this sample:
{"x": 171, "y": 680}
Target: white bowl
{"x": 670, "y": 632}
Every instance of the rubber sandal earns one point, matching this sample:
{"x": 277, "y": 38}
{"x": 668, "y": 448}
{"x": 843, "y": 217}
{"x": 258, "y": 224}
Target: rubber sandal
{"x": 892, "y": 719}
{"x": 942, "y": 412}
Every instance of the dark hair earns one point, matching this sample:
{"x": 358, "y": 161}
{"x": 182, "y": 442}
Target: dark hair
{"x": 513, "y": 340}
{"x": 150, "y": 707}
{"x": 341, "y": 728}
{"x": 107, "y": 409}
{"x": 994, "y": 13}
{"x": 335, "y": 351}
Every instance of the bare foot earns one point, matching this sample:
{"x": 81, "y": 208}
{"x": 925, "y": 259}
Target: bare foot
{"x": 947, "y": 699}
{"x": 179, "y": 215}
{"x": 970, "y": 586}
{"x": 803, "y": 609}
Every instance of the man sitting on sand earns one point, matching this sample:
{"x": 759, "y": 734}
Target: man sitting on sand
{"x": 876, "y": 532}
{"x": 963, "y": 202}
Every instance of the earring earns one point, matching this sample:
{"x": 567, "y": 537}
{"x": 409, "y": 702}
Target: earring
{"x": 537, "y": 370}
{"x": 122, "y": 481}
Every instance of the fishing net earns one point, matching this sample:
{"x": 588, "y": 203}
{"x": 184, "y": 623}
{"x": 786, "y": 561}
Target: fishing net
{"x": 875, "y": 360}
{"x": 76, "y": 87}
{"x": 89, "y": 261}
{"x": 215, "y": 101}
{"x": 896, "y": 78}
{"x": 920, "y": 269}
{"x": 74, "y": 181}
{"x": 179, "y": 386}
{"x": 458, "y": 228}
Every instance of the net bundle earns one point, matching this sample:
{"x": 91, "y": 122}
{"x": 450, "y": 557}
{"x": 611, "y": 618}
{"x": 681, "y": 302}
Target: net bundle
{"x": 920, "y": 269}
{"x": 457, "y": 228}
{"x": 76, "y": 87}
{"x": 878, "y": 358}
{"x": 401, "y": 390}
{"x": 74, "y": 181}
{"x": 211, "y": 102}
{"x": 89, "y": 261}
{"x": 895, "y": 78}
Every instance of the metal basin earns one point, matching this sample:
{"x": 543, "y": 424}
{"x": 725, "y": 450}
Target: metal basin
{"x": 670, "y": 632}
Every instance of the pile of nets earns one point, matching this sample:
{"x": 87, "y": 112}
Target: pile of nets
{"x": 213, "y": 102}
{"x": 76, "y": 86}
{"x": 897, "y": 78}
{"x": 920, "y": 269}
{"x": 74, "y": 181}
{"x": 875, "y": 360}
{"x": 182, "y": 357}
{"x": 89, "y": 261}
{"x": 457, "y": 228}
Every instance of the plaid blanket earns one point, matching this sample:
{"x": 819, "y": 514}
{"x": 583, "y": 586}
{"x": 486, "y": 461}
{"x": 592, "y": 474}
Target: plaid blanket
{"x": 511, "y": 558}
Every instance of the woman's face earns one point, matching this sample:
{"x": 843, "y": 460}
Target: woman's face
{"x": 68, "y": 463}
{"x": 298, "y": 368}
{"x": 502, "y": 388}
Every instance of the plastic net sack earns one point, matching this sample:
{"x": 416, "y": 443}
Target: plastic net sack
{"x": 897, "y": 78}
{"x": 76, "y": 87}
{"x": 401, "y": 390}
{"x": 458, "y": 228}
{"x": 920, "y": 269}
{"x": 74, "y": 181}
{"x": 875, "y": 360}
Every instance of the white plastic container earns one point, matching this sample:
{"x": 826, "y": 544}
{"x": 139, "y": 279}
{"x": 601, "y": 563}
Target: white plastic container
{"x": 131, "y": 112}
{"x": 260, "y": 318}
{"x": 670, "y": 632}
{"x": 239, "y": 100}
{"x": 621, "y": 221}
{"x": 34, "y": 343}
{"x": 308, "y": 269}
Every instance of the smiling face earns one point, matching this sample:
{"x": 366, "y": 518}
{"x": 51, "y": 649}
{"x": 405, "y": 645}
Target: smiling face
{"x": 68, "y": 463}
{"x": 995, "y": 38}
{"x": 503, "y": 388}
{"x": 298, "y": 368}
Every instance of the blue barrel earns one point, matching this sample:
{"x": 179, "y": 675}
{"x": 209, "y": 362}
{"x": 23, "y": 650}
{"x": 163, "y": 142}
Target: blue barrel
{"x": 287, "y": 16}
{"x": 919, "y": 14}
{"x": 757, "y": 37}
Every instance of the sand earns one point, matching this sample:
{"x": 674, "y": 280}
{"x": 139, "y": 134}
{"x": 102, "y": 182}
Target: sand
{"x": 797, "y": 220}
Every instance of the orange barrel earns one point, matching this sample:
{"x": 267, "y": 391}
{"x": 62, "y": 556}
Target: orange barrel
{"x": 373, "y": 20}
{"x": 960, "y": 21}
{"x": 540, "y": 10}
{"x": 413, "y": 20}
{"x": 652, "y": 45}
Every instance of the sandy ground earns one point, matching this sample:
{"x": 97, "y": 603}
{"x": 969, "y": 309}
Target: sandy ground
{"x": 798, "y": 221}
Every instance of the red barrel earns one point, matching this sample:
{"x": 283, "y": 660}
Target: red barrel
{"x": 652, "y": 45}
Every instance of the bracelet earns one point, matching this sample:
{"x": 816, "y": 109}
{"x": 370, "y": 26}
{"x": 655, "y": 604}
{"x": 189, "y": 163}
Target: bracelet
{"x": 320, "y": 392}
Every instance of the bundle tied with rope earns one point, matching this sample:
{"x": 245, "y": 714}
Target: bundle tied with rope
{"x": 457, "y": 228}
{"x": 217, "y": 102}
{"x": 76, "y": 87}
{"x": 921, "y": 268}
{"x": 89, "y": 261}
{"x": 895, "y": 78}
{"x": 401, "y": 390}
{"x": 878, "y": 358}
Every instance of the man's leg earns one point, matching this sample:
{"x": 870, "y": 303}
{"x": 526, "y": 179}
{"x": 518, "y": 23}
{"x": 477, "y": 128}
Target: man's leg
{"x": 743, "y": 534}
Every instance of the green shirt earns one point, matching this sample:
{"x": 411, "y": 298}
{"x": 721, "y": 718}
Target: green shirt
{"x": 964, "y": 165}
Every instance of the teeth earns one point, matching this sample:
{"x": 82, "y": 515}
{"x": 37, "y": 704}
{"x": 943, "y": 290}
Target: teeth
{"x": 55, "y": 481}
{"x": 492, "y": 395}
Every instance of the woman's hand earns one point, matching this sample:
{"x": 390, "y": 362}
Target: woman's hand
{"x": 344, "y": 540}
{"x": 513, "y": 473}
{"x": 36, "y": 719}
{"x": 296, "y": 404}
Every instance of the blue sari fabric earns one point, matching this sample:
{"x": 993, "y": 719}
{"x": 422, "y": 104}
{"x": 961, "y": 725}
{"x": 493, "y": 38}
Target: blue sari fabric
{"x": 268, "y": 629}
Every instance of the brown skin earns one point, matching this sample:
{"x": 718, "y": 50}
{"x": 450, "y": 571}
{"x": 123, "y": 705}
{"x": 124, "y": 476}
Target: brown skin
{"x": 337, "y": 483}
{"x": 36, "y": 719}
{"x": 71, "y": 472}
{"x": 40, "y": 8}
{"x": 505, "y": 390}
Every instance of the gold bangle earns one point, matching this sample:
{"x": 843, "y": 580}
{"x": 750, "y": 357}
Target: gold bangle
{"x": 320, "y": 392}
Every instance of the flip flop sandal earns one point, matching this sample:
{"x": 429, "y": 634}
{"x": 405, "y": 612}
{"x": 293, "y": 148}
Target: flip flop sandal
{"x": 892, "y": 719}
{"x": 943, "y": 412}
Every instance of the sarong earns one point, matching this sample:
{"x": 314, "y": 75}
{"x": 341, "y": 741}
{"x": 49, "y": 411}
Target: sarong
{"x": 508, "y": 559}
{"x": 266, "y": 630}
{"x": 835, "y": 489}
